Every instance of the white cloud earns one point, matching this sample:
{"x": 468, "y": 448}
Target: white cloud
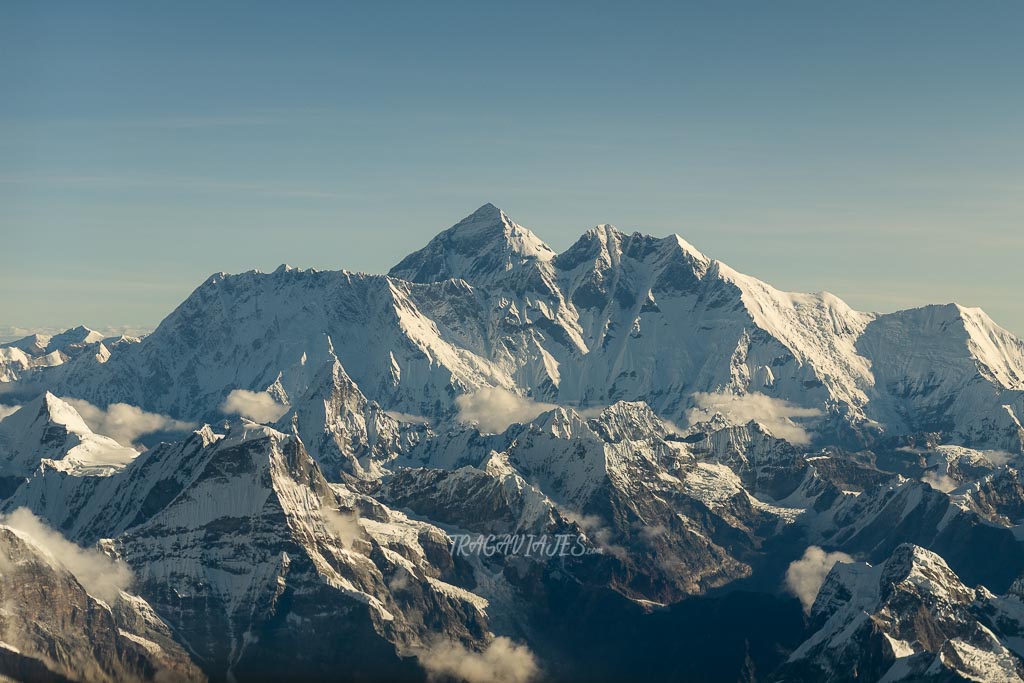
{"x": 939, "y": 481}
{"x": 805, "y": 576}
{"x": 503, "y": 661}
{"x": 596, "y": 531}
{"x": 124, "y": 423}
{"x": 998, "y": 458}
{"x": 774, "y": 413}
{"x": 346, "y": 525}
{"x": 255, "y": 405}
{"x": 7, "y": 410}
{"x": 493, "y": 409}
{"x": 102, "y": 576}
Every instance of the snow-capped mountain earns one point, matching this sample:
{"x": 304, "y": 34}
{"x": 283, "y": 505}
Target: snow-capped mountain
{"x": 361, "y": 442}
{"x": 614, "y": 317}
{"x": 19, "y": 358}
{"x": 909, "y": 618}
{"x": 48, "y": 431}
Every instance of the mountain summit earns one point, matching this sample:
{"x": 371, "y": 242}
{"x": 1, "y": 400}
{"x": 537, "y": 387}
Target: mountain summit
{"x": 615, "y": 317}
{"x": 487, "y": 242}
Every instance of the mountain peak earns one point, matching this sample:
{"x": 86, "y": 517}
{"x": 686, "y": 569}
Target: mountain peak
{"x": 488, "y": 209}
{"x": 484, "y": 243}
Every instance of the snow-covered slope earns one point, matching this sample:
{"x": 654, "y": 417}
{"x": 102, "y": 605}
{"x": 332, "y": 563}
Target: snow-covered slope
{"x": 21, "y": 359}
{"x": 51, "y": 430}
{"x": 348, "y": 435}
{"x": 669, "y": 526}
{"x": 614, "y": 317}
{"x": 947, "y": 368}
{"x": 910, "y": 618}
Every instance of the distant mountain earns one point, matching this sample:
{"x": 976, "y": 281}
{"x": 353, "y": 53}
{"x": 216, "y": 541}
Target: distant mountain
{"x": 614, "y": 317}
{"x": 498, "y": 462}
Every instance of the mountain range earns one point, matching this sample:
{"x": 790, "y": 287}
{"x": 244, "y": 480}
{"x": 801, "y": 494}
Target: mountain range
{"x": 329, "y": 475}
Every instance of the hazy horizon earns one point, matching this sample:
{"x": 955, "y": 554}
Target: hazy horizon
{"x": 12, "y": 331}
{"x": 874, "y": 151}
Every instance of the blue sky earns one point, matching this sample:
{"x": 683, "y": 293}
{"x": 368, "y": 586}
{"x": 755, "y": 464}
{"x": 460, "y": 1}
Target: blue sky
{"x": 875, "y": 150}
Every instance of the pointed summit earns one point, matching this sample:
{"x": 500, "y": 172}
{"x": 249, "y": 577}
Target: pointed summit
{"x": 486, "y": 242}
{"x": 50, "y": 428}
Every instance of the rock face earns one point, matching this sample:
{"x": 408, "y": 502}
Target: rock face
{"x": 503, "y": 463}
{"x": 910, "y": 618}
{"x": 51, "y": 628}
{"x": 240, "y": 542}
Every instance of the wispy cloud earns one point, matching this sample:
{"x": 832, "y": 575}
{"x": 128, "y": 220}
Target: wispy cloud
{"x": 774, "y": 413}
{"x": 939, "y": 481}
{"x": 255, "y": 405}
{"x": 493, "y": 409}
{"x": 125, "y": 423}
{"x": 503, "y": 661}
{"x": 100, "y": 575}
{"x": 805, "y": 576}
{"x": 408, "y": 417}
{"x": 180, "y": 122}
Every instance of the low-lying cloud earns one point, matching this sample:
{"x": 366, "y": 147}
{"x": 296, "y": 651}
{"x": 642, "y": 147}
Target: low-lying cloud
{"x": 493, "y": 409}
{"x": 940, "y": 481}
{"x": 503, "y": 661}
{"x": 7, "y": 410}
{"x": 998, "y": 458}
{"x": 774, "y": 413}
{"x": 258, "y": 406}
{"x": 125, "y": 423}
{"x": 805, "y": 576}
{"x": 597, "y": 532}
{"x": 346, "y": 525}
{"x": 101, "y": 576}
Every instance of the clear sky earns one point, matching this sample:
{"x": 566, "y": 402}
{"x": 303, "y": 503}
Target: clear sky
{"x": 875, "y": 150}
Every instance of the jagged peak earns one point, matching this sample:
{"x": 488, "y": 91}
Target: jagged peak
{"x": 561, "y": 421}
{"x": 605, "y": 246}
{"x": 58, "y": 411}
{"x": 688, "y": 248}
{"x": 487, "y": 242}
{"x": 39, "y": 343}
{"x": 206, "y": 435}
{"x": 928, "y": 572}
{"x": 629, "y": 420}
